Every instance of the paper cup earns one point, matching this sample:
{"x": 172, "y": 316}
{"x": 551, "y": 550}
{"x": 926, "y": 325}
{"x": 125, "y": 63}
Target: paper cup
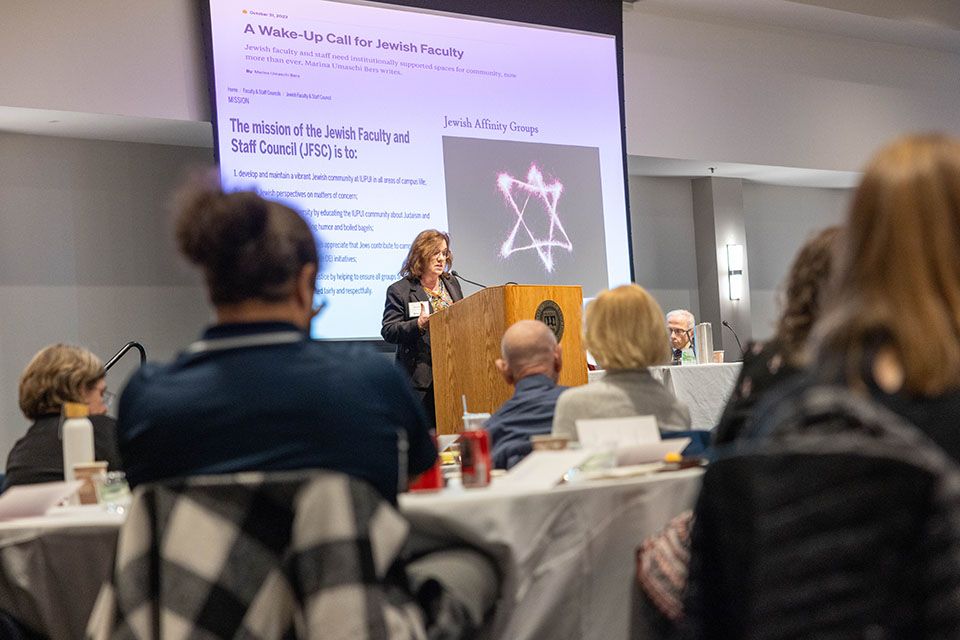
{"x": 86, "y": 471}
{"x": 474, "y": 420}
{"x": 718, "y": 356}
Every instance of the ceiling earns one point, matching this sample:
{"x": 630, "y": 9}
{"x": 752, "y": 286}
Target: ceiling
{"x": 765, "y": 174}
{"x": 929, "y": 24}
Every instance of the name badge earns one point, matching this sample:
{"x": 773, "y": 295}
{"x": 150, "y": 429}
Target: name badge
{"x": 415, "y": 309}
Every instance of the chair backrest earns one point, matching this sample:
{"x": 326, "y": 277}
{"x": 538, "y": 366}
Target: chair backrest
{"x": 253, "y": 555}
{"x": 841, "y": 521}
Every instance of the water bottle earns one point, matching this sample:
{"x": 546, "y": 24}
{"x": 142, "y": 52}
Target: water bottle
{"x": 77, "y": 436}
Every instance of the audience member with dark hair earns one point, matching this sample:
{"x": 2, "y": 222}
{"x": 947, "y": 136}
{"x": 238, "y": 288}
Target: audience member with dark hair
{"x": 425, "y": 287}
{"x": 255, "y": 393}
{"x": 531, "y": 361}
{"x": 624, "y": 330}
{"x": 765, "y": 365}
{"x": 56, "y": 374}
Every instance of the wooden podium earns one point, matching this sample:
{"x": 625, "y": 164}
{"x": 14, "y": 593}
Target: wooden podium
{"x": 465, "y": 342}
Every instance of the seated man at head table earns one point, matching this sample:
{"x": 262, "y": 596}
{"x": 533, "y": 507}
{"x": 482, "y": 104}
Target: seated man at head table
{"x": 530, "y": 362}
{"x": 680, "y": 323}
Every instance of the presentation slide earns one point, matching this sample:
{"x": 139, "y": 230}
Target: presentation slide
{"x": 377, "y": 122}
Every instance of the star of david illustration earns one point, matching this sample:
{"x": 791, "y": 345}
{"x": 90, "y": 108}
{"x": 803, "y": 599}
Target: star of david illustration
{"x": 533, "y": 189}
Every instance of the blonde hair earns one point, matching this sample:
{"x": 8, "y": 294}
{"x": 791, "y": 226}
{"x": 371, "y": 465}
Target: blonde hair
{"x": 624, "y": 328}
{"x": 56, "y": 374}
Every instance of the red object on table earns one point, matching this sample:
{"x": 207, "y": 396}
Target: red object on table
{"x": 432, "y": 478}
{"x": 475, "y": 457}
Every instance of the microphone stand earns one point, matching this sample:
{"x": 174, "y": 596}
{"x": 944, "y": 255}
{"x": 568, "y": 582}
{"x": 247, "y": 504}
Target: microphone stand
{"x": 460, "y": 277}
{"x": 740, "y": 346}
{"x": 119, "y": 354}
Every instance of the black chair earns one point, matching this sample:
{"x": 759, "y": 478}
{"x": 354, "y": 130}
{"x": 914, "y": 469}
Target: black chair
{"x": 838, "y": 521}
{"x": 11, "y": 629}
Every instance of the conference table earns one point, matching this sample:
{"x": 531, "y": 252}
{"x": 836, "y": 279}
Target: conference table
{"x": 51, "y": 568}
{"x": 566, "y": 554}
{"x": 704, "y": 388}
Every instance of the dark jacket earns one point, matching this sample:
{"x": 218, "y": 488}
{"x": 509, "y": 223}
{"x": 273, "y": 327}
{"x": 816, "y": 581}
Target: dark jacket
{"x": 413, "y": 347}
{"x": 38, "y": 455}
{"x": 836, "y": 519}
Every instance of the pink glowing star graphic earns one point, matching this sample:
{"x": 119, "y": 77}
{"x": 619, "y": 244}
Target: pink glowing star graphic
{"x": 534, "y": 187}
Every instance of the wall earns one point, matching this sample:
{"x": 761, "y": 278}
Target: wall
{"x": 778, "y": 221}
{"x": 86, "y": 256}
{"x": 747, "y": 93}
{"x": 664, "y": 256}
{"x": 105, "y": 56}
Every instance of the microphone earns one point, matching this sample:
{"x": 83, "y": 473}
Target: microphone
{"x": 690, "y": 342}
{"x": 457, "y": 275}
{"x": 727, "y": 325}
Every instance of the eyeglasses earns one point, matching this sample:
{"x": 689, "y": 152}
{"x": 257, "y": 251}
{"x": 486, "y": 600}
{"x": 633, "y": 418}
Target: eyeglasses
{"x": 679, "y": 331}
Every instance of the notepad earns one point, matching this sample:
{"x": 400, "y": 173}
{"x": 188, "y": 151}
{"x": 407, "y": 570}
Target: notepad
{"x": 621, "y": 431}
{"x": 636, "y": 439}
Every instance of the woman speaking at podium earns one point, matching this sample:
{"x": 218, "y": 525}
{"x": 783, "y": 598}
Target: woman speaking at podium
{"x": 426, "y": 286}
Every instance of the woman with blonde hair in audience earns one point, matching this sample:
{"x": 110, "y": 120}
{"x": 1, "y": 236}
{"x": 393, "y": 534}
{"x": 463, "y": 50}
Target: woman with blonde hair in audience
{"x": 57, "y": 374}
{"x": 624, "y": 329}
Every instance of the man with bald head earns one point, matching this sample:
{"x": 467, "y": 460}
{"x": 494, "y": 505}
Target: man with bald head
{"x": 530, "y": 362}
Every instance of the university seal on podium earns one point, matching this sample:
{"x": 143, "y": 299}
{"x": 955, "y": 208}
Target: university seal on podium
{"x": 549, "y": 313}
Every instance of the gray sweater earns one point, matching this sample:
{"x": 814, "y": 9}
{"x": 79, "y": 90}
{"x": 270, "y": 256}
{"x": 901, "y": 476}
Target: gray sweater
{"x": 622, "y": 393}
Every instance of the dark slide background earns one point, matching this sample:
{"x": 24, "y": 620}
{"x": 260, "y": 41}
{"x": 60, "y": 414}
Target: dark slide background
{"x": 480, "y": 218}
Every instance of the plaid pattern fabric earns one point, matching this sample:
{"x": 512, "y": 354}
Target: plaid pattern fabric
{"x": 662, "y": 562}
{"x": 258, "y": 556}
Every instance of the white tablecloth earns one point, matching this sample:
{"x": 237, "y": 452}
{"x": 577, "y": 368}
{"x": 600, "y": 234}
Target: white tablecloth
{"x": 704, "y": 388}
{"x": 51, "y": 568}
{"x": 568, "y": 552}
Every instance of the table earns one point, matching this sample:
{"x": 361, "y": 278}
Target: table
{"x": 704, "y": 388}
{"x": 51, "y": 568}
{"x": 568, "y": 553}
